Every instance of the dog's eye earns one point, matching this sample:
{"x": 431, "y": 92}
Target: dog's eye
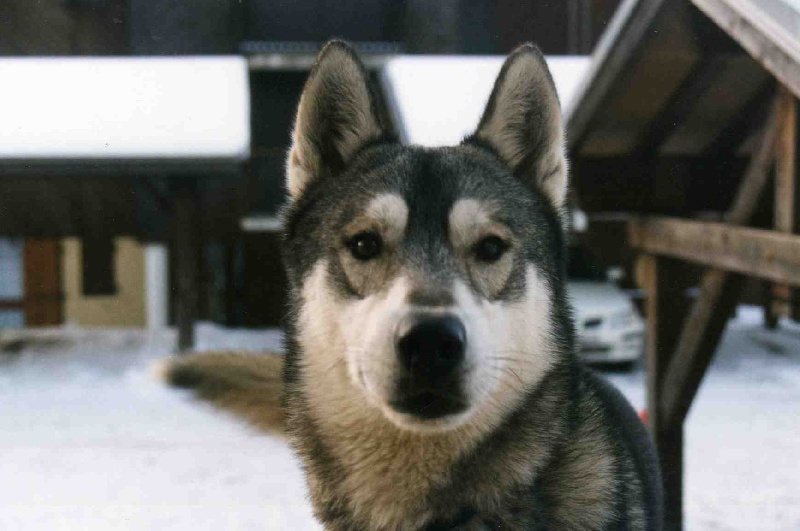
{"x": 365, "y": 246}
{"x": 490, "y": 249}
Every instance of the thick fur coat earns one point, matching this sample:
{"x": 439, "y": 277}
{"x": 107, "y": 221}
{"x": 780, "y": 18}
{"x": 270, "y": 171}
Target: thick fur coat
{"x": 430, "y": 377}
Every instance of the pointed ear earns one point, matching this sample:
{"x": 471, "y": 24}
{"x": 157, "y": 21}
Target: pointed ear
{"x": 522, "y": 123}
{"x": 338, "y": 114}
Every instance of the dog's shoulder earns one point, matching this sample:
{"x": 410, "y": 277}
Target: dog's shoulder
{"x": 612, "y": 433}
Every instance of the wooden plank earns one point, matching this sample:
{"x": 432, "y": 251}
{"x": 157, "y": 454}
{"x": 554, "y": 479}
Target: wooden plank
{"x": 42, "y": 292}
{"x": 769, "y": 44}
{"x": 186, "y": 258}
{"x": 770, "y": 317}
{"x": 720, "y": 291}
{"x": 735, "y": 132}
{"x": 665, "y": 307}
{"x": 795, "y": 296}
{"x": 785, "y": 157}
{"x": 680, "y": 104}
{"x": 625, "y": 35}
{"x": 785, "y": 178}
{"x": 759, "y": 253}
{"x": 756, "y": 175}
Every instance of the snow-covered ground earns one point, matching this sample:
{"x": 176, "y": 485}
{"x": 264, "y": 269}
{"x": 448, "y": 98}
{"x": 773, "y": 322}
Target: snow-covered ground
{"x": 742, "y": 437}
{"x": 89, "y": 441}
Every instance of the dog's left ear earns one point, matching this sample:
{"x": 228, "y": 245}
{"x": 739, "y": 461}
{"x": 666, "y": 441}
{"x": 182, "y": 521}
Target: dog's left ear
{"x": 522, "y": 123}
{"x": 339, "y": 113}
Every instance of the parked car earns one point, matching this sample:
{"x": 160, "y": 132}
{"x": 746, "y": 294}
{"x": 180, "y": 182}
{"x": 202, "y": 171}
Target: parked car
{"x": 608, "y": 326}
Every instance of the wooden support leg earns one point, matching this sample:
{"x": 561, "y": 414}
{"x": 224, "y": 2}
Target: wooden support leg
{"x": 770, "y": 317}
{"x": 666, "y": 306}
{"x": 785, "y": 181}
{"x": 230, "y": 283}
{"x": 698, "y": 340}
{"x": 186, "y": 241}
{"x": 669, "y": 441}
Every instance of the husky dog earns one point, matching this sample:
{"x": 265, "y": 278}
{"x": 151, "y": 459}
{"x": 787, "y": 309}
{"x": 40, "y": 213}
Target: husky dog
{"x": 430, "y": 378}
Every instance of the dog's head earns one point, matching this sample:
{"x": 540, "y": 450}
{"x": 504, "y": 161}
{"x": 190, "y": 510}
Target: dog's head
{"x": 427, "y": 283}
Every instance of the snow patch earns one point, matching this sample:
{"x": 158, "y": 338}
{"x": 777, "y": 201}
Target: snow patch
{"x": 88, "y": 440}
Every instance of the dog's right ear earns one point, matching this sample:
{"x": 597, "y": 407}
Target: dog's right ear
{"x": 338, "y": 114}
{"x": 522, "y": 123}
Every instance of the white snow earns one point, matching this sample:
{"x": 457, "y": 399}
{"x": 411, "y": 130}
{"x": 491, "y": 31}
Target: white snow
{"x": 124, "y": 108}
{"x": 742, "y": 470}
{"x": 88, "y": 440}
{"x": 439, "y": 99}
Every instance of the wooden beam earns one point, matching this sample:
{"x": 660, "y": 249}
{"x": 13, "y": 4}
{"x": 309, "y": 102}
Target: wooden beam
{"x": 735, "y": 132}
{"x": 719, "y": 294}
{"x": 680, "y": 104}
{"x": 785, "y": 157}
{"x": 785, "y": 178}
{"x": 759, "y": 253}
{"x": 756, "y": 175}
{"x": 186, "y": 246}
{"x": 665, "y": 307}
{"x": 769, "y": 43}
{"x": 624, "y": 36}
{"x": 43, "y": 293}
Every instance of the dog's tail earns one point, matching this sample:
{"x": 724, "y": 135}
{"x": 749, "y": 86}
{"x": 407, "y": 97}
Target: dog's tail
{"x": 248, "y": 385}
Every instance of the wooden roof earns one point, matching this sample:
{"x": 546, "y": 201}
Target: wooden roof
{"x": 675, "y": 93}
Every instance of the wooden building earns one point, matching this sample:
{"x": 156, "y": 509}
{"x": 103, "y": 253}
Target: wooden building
{"x": 686, "y": 131}
{"x": 237, "y": 273}
{"x": 124, "y": 146}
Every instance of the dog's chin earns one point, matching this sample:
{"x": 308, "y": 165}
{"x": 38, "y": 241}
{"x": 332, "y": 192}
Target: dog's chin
{"x": 428, "y": 421}
{"x": 420, "y": 412}
{"x": 427, "y": 424}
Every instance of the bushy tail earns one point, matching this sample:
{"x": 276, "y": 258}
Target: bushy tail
{"x": 249, "y": 385}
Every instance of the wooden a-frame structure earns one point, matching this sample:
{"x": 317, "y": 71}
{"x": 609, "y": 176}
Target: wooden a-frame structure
{"x": 687, "y": 127}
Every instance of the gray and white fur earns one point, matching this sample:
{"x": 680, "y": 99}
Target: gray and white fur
{"x": 431, "y": 380}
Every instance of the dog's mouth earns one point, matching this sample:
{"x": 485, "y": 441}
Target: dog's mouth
{"x": 429, "y": 404}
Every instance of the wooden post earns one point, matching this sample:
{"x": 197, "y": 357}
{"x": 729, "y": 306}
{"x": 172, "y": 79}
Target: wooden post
{"x": 665, "y": 308}
{"x": 43, "y": 298}
{"x": 186, "y": 256}
{"x": 230, "y": 283}
{"x": 785, "y": 179}
{"x": 770, "y": 317}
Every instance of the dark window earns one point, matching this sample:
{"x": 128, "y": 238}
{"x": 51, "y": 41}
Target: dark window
{"x": 98, "y": 266}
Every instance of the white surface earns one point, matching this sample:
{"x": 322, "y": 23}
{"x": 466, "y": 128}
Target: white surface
{"x": 597, "y": 299}
{"x": 88, "y": 441}
{"x": 261, "y": 224}
{"x": 124, "y": 108}
{"x": 440, "y": 99}
{"x": 741, "y": 463}
{"x": 156, "y": 270}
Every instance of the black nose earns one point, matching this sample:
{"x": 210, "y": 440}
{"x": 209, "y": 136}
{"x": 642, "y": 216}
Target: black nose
{"x": 433, "y": 344}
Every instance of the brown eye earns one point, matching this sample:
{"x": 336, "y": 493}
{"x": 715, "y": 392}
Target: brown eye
{"x": 365, "y": 246}
{"x": 490, "y": 249}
